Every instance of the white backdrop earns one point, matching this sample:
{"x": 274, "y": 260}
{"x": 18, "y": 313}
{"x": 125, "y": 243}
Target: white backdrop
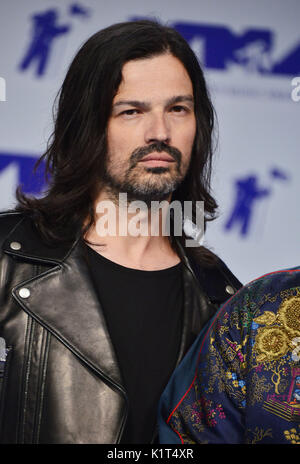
{"x": 250, "y": 52}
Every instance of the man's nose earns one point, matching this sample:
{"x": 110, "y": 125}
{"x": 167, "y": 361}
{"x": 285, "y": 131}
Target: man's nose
{"x": 157, "y": 129}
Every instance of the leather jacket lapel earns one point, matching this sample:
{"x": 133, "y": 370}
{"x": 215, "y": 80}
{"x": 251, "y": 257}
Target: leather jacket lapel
{"x": 64, "y": 301}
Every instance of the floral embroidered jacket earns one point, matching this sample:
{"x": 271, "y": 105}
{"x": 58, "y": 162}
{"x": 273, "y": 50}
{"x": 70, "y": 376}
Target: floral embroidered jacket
{"x": 240, "y": 381}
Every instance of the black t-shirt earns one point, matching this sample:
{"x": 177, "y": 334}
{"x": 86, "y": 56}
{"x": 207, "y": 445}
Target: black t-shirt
{"x": 143, "y": 312}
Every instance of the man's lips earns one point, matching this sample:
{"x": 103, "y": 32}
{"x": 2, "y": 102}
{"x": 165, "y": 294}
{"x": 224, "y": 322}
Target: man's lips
{"x": 157, "y": 159}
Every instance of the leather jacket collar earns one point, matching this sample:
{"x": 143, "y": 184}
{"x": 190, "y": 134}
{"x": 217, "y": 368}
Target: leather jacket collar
{"x": 213, "y": 280}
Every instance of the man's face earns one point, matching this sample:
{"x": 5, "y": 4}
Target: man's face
{"x": 151, "y": 129}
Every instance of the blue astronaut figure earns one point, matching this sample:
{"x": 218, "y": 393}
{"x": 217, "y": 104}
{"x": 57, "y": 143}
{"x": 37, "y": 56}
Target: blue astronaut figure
{"x": 247, "y": 193}
{"x": 45, "y": 31}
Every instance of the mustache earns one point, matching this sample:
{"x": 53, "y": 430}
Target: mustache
{"x": 159, "y": 147}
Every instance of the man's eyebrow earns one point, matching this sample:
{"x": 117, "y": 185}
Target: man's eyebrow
{"x": 147, "y": 105}
{"x": 180, "y": 99}
{"x": 131, "y": 103}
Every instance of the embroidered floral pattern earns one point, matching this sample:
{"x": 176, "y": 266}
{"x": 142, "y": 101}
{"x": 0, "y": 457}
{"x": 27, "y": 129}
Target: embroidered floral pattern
{"x": 293, "y": 435}
{"x": 249, "y": 366}
{"x": 259, "y": 385}
{"x": 271, "y": 343}
{"x": 275, "y": 340}
{"x": 257, "y": 435}
{"x": 289, "y": 315}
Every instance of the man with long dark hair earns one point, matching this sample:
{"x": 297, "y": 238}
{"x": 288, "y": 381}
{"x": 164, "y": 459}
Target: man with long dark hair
{"x": 94, "y": 323}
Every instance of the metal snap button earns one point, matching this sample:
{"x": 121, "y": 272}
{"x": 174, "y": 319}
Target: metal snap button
{"x": 229, "y": 289}
{"x": 15, "y": 246}
{"x": 24, "y": 292}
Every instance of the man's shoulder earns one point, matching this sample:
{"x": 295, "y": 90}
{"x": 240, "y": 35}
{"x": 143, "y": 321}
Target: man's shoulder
{"x": 8, "y": 221}
{"x": 216, "y": 279}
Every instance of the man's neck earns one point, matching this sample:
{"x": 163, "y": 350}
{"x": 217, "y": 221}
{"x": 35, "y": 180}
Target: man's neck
{"x": 131, "y": 236}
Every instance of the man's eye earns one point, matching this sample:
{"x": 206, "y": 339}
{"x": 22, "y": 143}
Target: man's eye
{"x": 179, "y": 109}
{"x": 131, "y": 112}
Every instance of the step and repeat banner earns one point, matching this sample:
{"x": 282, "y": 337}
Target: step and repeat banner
{"x": 250, "y": 52}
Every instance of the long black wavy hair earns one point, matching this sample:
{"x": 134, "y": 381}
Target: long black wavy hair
{"x": 76, "y": 151}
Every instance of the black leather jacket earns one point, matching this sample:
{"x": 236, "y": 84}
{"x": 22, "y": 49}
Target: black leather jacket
{"x": 60, "y": 382}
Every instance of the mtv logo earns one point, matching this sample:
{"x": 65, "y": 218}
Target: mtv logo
{"x": 217, "y": 47}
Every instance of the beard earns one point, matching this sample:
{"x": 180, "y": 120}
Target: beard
{"x": 146, "y": 183}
